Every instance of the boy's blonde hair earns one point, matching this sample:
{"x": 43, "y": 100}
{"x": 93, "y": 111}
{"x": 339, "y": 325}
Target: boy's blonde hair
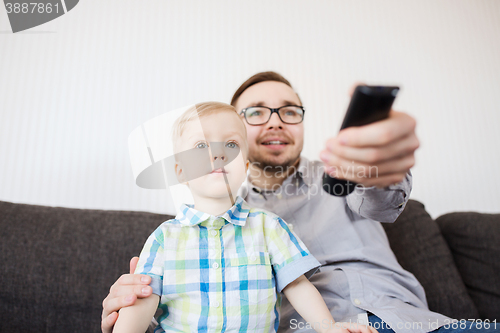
{"x": 198, "y": 111}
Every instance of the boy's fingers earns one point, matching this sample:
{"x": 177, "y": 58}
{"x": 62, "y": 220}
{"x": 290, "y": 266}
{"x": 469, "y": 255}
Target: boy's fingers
{"x": 133, "y": 264}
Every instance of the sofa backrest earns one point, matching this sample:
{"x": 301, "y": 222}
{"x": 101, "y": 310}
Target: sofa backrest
{"x": 58, "y": 264}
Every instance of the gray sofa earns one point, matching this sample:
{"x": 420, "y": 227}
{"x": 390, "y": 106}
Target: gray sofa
{"x": 58, "y": 263}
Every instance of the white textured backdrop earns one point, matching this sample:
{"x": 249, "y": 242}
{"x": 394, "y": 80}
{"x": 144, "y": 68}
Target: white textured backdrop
{"x": 73, "y": 89}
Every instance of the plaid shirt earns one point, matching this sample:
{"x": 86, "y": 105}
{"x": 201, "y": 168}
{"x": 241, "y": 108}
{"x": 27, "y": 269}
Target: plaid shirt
{"x": 222, "y": 273}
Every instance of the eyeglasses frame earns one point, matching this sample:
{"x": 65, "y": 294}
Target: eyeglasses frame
{"x": 276, "y": 110}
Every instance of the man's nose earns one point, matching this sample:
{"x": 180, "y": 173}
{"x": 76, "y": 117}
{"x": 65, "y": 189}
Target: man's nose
{"x": 274, "y": 121}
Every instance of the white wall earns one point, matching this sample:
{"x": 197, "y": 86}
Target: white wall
{"x": 73, "y": 89}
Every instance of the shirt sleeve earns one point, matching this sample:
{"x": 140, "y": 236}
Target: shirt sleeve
{"x": 383, "y": 205}
{"x": 289, "y": 256}
{"x": 151, "y": 260}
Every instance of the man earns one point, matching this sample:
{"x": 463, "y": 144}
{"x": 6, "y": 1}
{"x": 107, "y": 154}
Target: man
{"x": 360, "y": 279}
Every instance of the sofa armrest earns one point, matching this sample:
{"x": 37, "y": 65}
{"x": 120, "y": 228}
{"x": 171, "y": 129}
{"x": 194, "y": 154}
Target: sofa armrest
{"x": 474, "y": 240}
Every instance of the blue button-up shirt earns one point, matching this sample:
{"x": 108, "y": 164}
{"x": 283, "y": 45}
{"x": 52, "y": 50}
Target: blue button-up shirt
{"x": 359, "y": 271}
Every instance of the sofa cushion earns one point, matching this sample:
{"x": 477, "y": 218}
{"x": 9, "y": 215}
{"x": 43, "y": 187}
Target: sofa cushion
{"x": 58, "y": 264}
{"x": 474, "y": 240}
{"x": 420, "y": 248}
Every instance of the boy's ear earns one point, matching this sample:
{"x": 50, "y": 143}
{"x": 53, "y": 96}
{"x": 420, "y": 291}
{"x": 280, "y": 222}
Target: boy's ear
{"x": 179, "y": 172}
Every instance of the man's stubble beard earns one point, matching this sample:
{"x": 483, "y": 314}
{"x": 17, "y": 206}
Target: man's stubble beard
{"x": 272, "y": 165}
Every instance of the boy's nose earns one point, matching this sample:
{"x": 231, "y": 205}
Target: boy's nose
{"x": 220, "y": 157}
{"x": 220, "y": 160}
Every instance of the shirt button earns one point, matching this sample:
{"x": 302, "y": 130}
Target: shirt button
{"x": 216, "y": 304}
{"x": 279, "y": 195}
{"x": 253, "y": 257}
{"x": 357, "y": 301}
{"x": 214, "y": 232}
{"x": 215, "y": 265}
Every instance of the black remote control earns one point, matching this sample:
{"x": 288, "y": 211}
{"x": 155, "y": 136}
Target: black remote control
{"x": 368, "y": 104}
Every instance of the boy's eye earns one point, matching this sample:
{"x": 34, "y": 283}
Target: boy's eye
{"x": 231, "y": 145}
{"x": 201, "y": 145}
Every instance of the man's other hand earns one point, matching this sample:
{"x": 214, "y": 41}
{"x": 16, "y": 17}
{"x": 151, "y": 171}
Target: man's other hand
{"x": 124, "y": 292}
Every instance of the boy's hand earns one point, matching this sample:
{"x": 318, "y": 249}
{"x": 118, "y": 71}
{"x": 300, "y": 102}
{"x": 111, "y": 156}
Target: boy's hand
{"x": 340, "y": 327}
{"x": 124, "y": 292}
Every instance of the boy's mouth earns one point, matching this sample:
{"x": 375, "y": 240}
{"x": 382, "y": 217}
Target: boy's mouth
{"x": 219, "y": 171}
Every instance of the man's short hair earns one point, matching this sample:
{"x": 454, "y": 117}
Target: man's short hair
{"x": 197, "y": 112}
{"x": 257, "y": 78}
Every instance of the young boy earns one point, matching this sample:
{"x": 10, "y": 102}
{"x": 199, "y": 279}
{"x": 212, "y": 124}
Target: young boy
{"x": 220, "y": 264}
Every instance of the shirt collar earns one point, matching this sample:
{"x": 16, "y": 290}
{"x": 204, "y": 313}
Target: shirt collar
{"x": 304, "y": 171}
{"x": 236, "y": 215}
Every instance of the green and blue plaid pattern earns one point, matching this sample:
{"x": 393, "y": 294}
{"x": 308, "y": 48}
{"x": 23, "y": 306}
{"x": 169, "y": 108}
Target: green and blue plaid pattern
{"x": 222, "y": 273}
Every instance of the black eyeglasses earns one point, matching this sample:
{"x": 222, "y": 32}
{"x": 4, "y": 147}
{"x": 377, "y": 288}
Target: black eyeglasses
{"x": 288, "y": 114}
